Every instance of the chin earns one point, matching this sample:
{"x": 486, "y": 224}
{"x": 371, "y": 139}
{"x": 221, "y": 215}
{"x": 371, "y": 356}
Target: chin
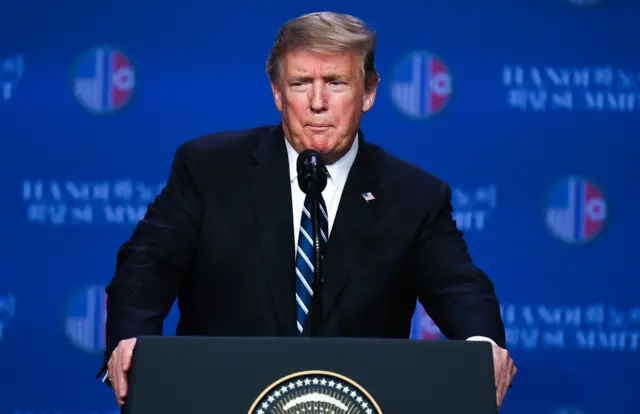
{"x": 322, "y": 146}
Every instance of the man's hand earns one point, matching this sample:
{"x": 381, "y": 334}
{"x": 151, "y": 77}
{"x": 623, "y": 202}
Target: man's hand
{"x": 119, "y": 364}
{"x": 504, "y": 370}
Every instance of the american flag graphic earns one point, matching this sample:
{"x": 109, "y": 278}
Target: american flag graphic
{"x": 368, "y": 196}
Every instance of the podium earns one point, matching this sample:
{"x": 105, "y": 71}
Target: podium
{"x": 288, "y": 375}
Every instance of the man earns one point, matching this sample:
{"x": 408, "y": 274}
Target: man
{"x": 227, "y": 237}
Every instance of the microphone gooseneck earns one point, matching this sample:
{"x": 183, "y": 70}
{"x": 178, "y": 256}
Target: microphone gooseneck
{"x": 312, "y": 181}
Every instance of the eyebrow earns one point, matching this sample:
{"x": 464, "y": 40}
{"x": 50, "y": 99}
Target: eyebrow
{"x": 326, "y": 78}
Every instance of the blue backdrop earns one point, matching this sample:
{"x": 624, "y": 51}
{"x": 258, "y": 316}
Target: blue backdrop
{"x": 535, "y": 102}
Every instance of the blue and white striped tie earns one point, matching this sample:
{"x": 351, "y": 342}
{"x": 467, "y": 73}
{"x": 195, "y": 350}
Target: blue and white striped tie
{"x": 305, "y": 259}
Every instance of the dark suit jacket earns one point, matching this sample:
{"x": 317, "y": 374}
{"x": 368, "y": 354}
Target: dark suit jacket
{"x": 219, "y": 237}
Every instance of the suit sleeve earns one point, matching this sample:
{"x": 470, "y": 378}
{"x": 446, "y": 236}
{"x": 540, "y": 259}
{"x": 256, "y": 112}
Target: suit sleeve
{"x": 151, "y": 263}
{"x": 456, "y": 294}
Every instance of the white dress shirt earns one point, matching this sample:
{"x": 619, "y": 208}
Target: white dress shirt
{"x": 332, "y": 193}
{"x": 338, "y": 173}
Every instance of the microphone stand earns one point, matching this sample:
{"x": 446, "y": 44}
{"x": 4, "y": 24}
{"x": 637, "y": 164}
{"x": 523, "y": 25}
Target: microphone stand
{"x": 316, "y": 307}
{"x": 312, "y": 181}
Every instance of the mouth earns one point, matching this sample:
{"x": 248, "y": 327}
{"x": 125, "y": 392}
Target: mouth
{"x": 319, "y": 127}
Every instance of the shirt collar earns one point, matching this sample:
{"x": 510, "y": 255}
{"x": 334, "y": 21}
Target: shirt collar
{"x": 338, "y": 171}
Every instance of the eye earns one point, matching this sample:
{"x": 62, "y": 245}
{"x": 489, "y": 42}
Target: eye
{"x": 298, "y": 85}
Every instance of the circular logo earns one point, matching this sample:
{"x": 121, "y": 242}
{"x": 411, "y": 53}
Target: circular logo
{"x": 104, "y": 80}
{"x": 86, "y": 318}
{"x": 576, "y": 210}
{"x": 315, "y": 392}
{"x": 421, "y": 85}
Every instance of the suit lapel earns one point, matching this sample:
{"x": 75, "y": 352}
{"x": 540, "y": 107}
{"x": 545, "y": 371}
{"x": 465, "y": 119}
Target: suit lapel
{"x": 353, "y": 222}
{"x": 271, "y": 194}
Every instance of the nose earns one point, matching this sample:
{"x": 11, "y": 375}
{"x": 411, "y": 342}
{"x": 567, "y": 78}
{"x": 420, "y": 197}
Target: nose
{"x": 317, "y": 98}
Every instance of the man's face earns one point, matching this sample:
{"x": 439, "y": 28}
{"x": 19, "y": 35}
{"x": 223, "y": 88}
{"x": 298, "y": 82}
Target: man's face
{"x": 322, "y": 98}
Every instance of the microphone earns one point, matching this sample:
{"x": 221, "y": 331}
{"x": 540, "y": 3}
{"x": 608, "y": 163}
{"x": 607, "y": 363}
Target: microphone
{"x": 311, "y": 177}
{"x": 312, "y": 180}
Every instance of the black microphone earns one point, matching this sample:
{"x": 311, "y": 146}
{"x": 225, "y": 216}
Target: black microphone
{"x": 311, "y": 177}
{"x": 312, "y": 181}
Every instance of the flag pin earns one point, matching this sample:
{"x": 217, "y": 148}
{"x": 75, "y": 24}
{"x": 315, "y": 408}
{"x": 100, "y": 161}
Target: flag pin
{"x": 368, "y": 197}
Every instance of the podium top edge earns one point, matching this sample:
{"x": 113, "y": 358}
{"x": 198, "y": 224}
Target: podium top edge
{"x": 254, "y": 339}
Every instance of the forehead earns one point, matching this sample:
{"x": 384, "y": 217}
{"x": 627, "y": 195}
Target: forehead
{"x": 303, "y": 62}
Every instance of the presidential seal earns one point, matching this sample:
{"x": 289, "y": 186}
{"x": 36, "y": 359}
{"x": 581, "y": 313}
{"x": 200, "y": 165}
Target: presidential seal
{"x": 315, "y": 392}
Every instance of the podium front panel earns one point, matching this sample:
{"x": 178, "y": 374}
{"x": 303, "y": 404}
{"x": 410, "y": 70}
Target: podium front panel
{"x": 195, "y": 375}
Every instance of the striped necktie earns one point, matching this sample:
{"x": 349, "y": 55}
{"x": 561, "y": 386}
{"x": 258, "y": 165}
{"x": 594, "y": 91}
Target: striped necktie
{"x": 305, "y": 259}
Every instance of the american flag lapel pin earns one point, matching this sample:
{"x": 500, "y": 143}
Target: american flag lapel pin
{"x": 368, "y": 197}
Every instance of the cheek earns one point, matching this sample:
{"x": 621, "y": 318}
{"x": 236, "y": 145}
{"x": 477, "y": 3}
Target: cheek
{"x": 345, "y": 112}
{"x": 296, "y": 108}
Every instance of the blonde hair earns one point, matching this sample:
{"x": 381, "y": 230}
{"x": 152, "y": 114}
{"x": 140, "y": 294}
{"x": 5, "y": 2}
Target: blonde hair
{"x": 325, "y": 32}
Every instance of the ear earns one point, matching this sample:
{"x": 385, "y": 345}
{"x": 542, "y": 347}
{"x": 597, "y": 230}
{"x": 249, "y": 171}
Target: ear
{"x": 277, "y": 96}
{"x": 369, "y": 98}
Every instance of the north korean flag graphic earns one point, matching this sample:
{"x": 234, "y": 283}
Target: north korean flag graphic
{"x": 104, "y": 80}
{"x": 576, "y": 210}
{"x": 439, "y": 89}
{"x": 421, "y": 85}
